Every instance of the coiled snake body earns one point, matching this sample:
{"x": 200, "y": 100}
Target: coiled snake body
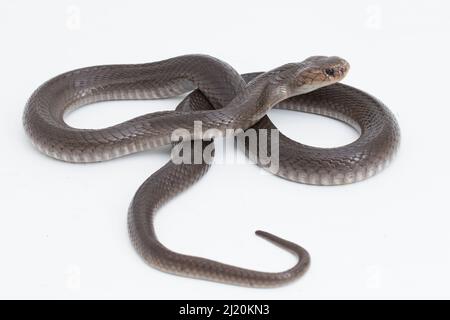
{"x": 222, "y": 99}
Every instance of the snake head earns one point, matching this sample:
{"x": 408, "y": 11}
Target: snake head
{"x": 316, "y": 72}
{"x": 298, "y": 78}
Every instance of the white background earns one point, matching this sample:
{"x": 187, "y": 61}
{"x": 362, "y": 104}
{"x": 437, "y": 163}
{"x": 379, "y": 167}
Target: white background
{"x": 63, "y": 230}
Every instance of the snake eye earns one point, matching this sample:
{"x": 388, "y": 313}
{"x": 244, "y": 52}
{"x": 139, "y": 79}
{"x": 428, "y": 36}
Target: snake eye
{"x": 329, "y": 72}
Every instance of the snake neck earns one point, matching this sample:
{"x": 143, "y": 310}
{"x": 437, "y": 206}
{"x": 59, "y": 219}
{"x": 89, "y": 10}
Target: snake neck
{"x": 259, "y": 96}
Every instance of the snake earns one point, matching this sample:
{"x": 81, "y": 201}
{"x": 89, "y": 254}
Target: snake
{"x": 221, "y": 99}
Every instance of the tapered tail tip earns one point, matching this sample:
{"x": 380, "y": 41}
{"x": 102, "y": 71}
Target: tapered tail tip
{"x": 269, "y": 236}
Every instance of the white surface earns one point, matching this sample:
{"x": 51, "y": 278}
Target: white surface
{"x": 63, "y": 226}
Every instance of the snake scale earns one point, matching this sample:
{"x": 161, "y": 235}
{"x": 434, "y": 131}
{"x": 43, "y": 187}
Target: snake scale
{"x": 221, "y": 99}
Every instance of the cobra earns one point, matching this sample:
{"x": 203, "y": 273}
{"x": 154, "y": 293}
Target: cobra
{"x": 221, "y": 99}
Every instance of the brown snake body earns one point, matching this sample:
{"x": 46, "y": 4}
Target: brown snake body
{"x": 222, "y": 100}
